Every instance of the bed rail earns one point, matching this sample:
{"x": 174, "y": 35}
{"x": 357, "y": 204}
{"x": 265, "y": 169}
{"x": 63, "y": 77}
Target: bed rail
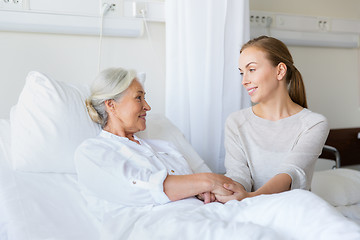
{"x": 336, "y": 154}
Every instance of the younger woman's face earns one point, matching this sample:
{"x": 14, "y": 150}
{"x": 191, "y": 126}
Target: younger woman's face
{"x": 259, "y": 75}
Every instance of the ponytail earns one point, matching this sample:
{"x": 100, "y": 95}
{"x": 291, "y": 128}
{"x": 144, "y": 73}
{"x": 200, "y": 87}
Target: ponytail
{"x": 296, "y": 87}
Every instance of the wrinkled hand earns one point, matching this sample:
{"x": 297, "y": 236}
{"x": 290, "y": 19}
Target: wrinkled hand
{"x": 207, "y": 197}
{"x": 239, "y": 193}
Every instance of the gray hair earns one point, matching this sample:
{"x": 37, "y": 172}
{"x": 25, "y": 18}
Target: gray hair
{"x": 109, "y": 84}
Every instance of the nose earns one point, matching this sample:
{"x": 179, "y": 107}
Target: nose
{"x": 244, "y": 80}
{"x": 146, "y": 106}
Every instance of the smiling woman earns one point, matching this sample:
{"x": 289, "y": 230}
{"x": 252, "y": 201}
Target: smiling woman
{"x": 148, "y": 171}
{"x": 272, "y": 147}
{"x": 268, "y": 58}
{"x": 127, "y": 115}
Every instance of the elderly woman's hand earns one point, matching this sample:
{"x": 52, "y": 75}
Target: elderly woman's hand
{"x": 216, "y": 184}
{"x": 207, "y": 197}
{"x": 239, "y": 192}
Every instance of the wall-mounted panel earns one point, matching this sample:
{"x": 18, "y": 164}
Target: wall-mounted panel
{"x": 76, "y": 7}
{"x": 88, "y": 17}
{"x": 306, "y": 30}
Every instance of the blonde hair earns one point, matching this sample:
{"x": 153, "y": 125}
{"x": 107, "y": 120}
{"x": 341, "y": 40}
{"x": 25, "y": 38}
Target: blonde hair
{"x": 109, "y": 84}
{"x": 277, "y": 52}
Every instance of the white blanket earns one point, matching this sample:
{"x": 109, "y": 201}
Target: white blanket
{"x": 352, "y": 212}
{"x": 35, "y": 206}
{"x": 297, "y": 214}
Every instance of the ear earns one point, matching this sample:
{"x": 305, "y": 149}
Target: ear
{"x": 110, "y": 106}
{"x": 281, "y": 71}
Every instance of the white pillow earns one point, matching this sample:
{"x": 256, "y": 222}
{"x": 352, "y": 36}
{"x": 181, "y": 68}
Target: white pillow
{"x": 5, "y": 139}
{"x": 48, "y": 123}
{"x": 159, "y": 127}
{"x": 339, "y": 187}
{"x": 51, "y": 120}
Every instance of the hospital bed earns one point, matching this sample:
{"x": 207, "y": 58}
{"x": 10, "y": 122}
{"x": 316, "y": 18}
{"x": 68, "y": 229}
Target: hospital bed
{"x": 39, "y": 195}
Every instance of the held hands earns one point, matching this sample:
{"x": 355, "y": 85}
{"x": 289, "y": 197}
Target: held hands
{"x": 279, "y": 183}
{"x": 207, "y": 197}
{"x": 239, "y": 193}
{"x": 222, "y": 189}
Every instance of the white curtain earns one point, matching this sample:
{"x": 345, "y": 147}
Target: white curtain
{"x": 203, "y": 84}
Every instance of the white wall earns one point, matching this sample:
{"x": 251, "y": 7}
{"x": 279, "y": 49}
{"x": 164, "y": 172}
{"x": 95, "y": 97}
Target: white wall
{"x": 75, "y": 59}
{"x": 331, "y": 75}
{"x": 331, "y": 79}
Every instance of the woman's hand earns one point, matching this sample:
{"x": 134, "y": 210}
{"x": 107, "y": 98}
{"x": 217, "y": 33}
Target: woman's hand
{"x": 216, "y": 184}
{"x": 239, "y": 193}
{"x": 207, "y": 197}
{"x": 178, "y": 187}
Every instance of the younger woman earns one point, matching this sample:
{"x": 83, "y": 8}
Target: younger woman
{"x": 272, "y": 147}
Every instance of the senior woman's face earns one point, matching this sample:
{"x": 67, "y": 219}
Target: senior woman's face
{"x": 130, "y": 110}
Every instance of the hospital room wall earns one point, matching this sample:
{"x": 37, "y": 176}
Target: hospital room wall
{"x": 74, "y": 58}
{"x": 331, "y": 75}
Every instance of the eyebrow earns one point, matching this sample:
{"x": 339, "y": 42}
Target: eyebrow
{"x": 142, "y": 92}
{"x": 247, "y": 65}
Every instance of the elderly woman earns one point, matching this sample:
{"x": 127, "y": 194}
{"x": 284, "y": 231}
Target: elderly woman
{"x": 143, "y": 189}
{"x": 146, "y": 171}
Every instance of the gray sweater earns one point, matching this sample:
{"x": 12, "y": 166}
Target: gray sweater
{"x": 258, "y": 149}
